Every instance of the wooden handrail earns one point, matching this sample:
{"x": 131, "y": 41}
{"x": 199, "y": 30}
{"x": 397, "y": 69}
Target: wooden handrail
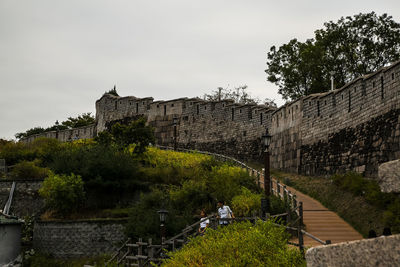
{"x": 289, "y": 197}
{"x": 118, "y": 251}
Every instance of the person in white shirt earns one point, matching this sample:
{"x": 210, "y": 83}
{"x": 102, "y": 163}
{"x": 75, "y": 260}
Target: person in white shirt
{"x": 203, "y": 222}
{"x": 224, "y": 212}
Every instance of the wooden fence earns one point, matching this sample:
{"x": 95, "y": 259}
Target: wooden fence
{"x": 142, "y": 253}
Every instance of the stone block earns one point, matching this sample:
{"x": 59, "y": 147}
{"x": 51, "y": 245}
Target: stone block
{"x": 389, "y": 176}
{"x": 360, "y": 169}
{"x": 380, "y": 251}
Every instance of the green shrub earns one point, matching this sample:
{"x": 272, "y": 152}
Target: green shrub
{"x": 29, "y": 170}
{"x": 111, "y": 176}
{"x": 63, "y": 194}
{"x": 144, "y": 220}
{"x": 277, "y": 205}
{"x": 226, "y": 181}
{"x": 246, "y": 203}
{"x": 171, "y": 167}
{"x": 14, "y": 152}
{"x": 239, "y": 244}
{"x": 351, "y": 181}
{"x": 192, "y": 196}
{"x": 41, "y": 148}
{"x": 136, "y": 132}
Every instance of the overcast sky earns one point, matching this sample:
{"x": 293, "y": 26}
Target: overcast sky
{"x": 58, "y": 57}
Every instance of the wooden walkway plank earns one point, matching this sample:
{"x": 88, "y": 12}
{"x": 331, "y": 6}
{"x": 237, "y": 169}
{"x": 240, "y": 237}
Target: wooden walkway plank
{"x": 323, "y": 223}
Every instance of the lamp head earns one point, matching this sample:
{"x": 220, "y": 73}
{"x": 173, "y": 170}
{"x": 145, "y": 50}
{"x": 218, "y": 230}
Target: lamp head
{"x": 266, "y": 139}
{"x": 163, "y": 215}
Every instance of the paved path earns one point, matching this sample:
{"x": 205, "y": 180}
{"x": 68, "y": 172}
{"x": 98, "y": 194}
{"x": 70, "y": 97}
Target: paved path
{"x": 323, "y": 223}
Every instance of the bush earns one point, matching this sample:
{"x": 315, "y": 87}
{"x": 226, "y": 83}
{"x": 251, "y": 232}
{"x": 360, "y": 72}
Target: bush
{"x": 245, "y": 203}
{"x": 144, "y": 220}
{"x": 63, "y": 194}
{"x": 192, "y": 196}
{"x": 170, "y": 167}
{"x": 14, "y": 152}
{"x": 239, "y": 244}
{"x": 29, "y": 170}
{"x": 136, "y": 132}
{"x": 226, "y": 181}
{"x": 41, "y": 148}
{"x": 166, "y": 158}
{"x": 110, "y": 175}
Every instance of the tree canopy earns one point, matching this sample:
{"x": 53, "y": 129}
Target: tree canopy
{"x": 112, "y": 91}
{"x": 349, "y": 48}
{"x": 82, "y": 120}
{"x": 238, "y": 95}
{"x": 136, "y": 132}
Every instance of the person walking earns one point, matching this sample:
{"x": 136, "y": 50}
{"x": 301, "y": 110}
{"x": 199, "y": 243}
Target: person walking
{"x": 224, "y": 212}
{"x": 203, "y": 222}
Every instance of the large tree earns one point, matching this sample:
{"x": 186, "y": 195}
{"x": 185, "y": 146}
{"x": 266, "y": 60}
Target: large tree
{"x": 238, "y": 95}
{"x": 350, "y": 47}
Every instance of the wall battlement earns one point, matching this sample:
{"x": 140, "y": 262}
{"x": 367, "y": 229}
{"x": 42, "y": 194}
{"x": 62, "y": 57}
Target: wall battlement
{"x": 317, "y": 134}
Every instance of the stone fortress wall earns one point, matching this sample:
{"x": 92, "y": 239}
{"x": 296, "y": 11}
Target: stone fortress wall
{"x": 355, "y": 127}
{"x": 66, "y": 135}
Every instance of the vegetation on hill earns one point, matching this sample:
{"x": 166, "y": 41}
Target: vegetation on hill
{"x": 118, "y": 171}
{"x": 357, "y": 200}
{"x": 351, "y": 47}
{"x": 184, "y": 184}
{"x": 118, "y": 174}
{"x": 239, "y": 244}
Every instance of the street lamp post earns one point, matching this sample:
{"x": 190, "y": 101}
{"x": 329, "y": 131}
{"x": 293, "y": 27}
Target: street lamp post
{"x": 175, "y": 120}
{"x": 163, "y": 217}
{"x": 265, "y": 203}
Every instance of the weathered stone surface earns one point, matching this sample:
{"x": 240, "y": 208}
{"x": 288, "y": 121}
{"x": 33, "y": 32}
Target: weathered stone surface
{"x": 26, "y": 200}
{"x": 380, "y": 251}
{"x": 389, "y": 176}
{"x": 74, "y": 239}
{"x": 320, "y": 134}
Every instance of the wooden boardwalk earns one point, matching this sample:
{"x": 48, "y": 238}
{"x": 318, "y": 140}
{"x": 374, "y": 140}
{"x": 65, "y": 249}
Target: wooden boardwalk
{"x": 323, "y": 223}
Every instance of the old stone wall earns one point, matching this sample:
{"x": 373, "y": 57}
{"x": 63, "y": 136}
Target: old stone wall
{"x": 350, "y": 128}
{"x": 361, "y": 148}
{"x": 75, "y": 239}
{"x": 380, "y": 251}
{"x": 389, "y": 176}
{"x": 26, "y": 200}
{"x": 66, "y": 135}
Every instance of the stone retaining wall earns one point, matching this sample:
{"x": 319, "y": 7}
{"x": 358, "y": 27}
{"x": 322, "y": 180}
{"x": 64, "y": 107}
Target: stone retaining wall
{"x": 74, "y": 239}
{"x": 380, "y": 251}
{"x": 26, "y": 200}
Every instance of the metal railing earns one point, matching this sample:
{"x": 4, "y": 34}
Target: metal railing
{"x": 278, "y": 189}
{"x": 9, "y": 201}
{"x": 144, "y": 253}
